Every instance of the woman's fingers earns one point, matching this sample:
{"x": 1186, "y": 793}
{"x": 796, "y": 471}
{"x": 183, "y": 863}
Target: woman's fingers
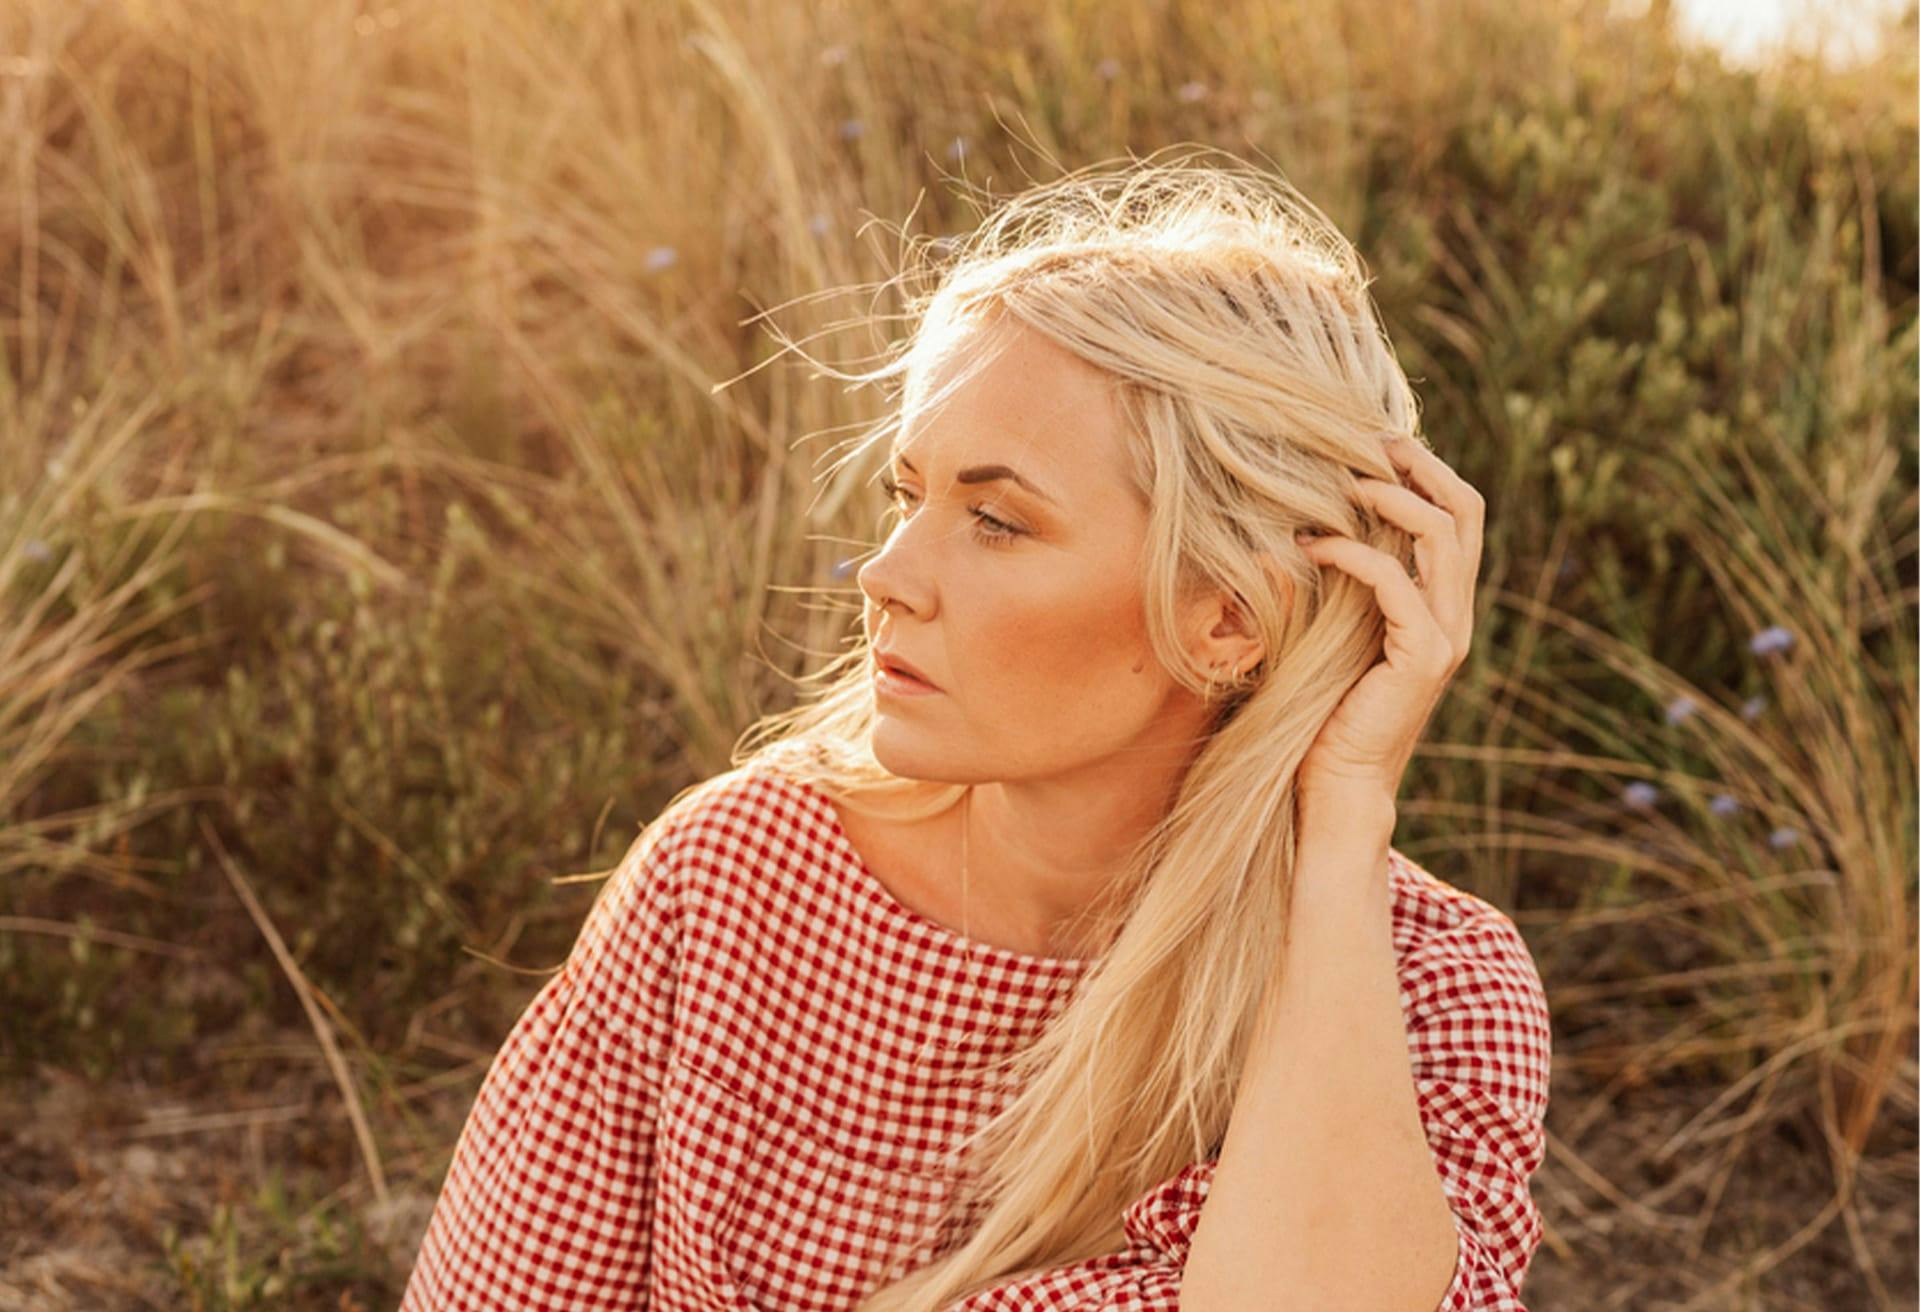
{"x": 1437, "y": 479}
{"x": 1423, "y": 642}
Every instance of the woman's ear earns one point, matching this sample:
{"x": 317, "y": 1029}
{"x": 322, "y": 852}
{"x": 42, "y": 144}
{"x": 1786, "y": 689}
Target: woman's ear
{"x": 1223, "y": 634}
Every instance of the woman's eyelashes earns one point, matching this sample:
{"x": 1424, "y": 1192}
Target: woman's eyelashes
{"x": 993, "y": 532}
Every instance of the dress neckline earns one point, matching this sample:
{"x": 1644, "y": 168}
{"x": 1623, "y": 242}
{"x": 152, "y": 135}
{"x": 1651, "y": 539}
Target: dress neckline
{"x": 881, "y": 897}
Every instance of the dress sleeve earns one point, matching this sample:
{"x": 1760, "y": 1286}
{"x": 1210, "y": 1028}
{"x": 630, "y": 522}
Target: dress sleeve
{"x": 1480, "y": 1036}
{"x": 1142, "y": 1277}
{"x": 1480, "y": 1040}
{"x": 547, "y": 1197}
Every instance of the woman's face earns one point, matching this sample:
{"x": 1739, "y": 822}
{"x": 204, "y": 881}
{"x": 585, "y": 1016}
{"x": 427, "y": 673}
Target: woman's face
{"x": 1037, "y": 641}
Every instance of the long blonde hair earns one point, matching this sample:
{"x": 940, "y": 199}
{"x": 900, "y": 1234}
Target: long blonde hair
{"x": 1255, "y": 385}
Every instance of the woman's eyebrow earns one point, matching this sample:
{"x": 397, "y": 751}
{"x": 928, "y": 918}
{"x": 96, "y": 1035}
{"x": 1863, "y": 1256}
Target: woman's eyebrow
{"x": 989, "y": 474}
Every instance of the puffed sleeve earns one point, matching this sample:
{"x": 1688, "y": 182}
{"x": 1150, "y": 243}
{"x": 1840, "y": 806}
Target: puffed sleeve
{"x": 1479, "y": 1040}
{"x": 1143, "y": 1275}
{"x": 547, "y": 1198}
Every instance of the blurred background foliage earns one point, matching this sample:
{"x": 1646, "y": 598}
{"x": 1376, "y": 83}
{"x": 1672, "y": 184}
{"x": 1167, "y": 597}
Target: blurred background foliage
{"x": 393, "y": 516}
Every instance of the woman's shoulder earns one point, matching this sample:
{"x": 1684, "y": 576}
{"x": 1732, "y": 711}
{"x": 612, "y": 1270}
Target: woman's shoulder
{"x": 1455, "y": 948}
{"x": 1428, "y": 913}
{"x": 1425, "y": 905}
{"x": 719, "y": 837}
{"x": 748, "y": 810}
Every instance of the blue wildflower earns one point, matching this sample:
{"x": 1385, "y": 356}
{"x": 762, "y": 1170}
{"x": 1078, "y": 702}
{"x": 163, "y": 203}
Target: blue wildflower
{"x": 1770, "y": 639}
{"x": 661, "y": 257}
{"x": 852, "y": 129}
{"x": 1640, "y": 794}
{"x": 1784, "y": 836}
{"x": 1680, "y": 708}
{"x": 818, "y": 225}
{"x": 38, "y": 550}
{"x": 1724, "y": 804}
{"x": 1751, "y": 707}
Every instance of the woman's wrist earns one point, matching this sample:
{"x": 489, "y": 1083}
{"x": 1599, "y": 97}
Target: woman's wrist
{"x": 1340, "y": 855}
{"x": 1362, "y": 815}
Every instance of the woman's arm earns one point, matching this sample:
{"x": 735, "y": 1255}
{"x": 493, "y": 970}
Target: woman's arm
{"x": 1326, "y": 1193}
{"x": 1473, "y": 1038}
{"x": 1465, "y": 1041}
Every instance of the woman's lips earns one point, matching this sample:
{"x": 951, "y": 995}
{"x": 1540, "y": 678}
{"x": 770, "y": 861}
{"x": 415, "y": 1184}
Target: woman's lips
{"x": 899, "y": 683}
{"x": 887, "y": 660}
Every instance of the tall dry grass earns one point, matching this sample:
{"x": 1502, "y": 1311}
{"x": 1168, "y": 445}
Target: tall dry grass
{"x": 396, "y": 507}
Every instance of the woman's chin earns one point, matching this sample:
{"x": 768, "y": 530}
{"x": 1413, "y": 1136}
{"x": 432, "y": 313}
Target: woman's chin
{"x": 906, "y": 752}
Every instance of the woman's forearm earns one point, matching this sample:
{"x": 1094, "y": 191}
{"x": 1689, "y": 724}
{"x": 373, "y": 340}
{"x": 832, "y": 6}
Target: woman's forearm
{"x": 1326, "y": 1195}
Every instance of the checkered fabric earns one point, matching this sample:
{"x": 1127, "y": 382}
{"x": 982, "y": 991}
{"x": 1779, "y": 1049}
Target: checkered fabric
{"x": 737, "y": 1092}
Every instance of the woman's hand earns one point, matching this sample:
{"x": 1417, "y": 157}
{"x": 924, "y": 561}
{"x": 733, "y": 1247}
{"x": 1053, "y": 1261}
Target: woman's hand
{"x": 1364, "y": 747}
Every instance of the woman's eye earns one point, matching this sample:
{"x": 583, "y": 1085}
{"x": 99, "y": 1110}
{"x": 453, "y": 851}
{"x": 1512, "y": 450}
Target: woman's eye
{"x": 992, "y": 531}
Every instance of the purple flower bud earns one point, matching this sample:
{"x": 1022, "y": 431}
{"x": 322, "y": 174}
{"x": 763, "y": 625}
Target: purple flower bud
{"x": 1784, "y": 836}
{"x": 1769, "y": 640}
{"x": 1724, "y": 804}
{"x": 661, "y": 257}
{"x": 38, "y": 550}
{"x": 1751, "y": 707}
{"x": 1640, "y": 794}
{"x": 852, "y": 129}
{"x": 1680, "y": 708}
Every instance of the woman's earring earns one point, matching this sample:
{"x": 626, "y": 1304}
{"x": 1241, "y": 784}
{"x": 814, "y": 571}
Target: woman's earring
{"x": 1237, "y": 680}
{"x": 1217, "y": 685}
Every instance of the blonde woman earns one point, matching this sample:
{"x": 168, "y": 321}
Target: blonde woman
{"x": 1055, "y": 954}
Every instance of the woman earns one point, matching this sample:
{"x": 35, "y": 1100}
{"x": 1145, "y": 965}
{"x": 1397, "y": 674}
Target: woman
{"x": 1072, "y": 969}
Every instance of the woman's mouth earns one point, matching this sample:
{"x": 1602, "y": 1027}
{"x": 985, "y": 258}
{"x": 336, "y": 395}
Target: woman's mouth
{"x": 889, "y": 680}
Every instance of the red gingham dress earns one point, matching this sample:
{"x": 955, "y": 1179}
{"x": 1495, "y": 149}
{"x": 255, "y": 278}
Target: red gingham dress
{"x": 736, "y": 1091}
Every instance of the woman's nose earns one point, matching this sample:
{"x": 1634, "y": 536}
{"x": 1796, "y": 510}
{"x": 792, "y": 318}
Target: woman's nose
{"x": 883, "y": 577}
{"x": 872, "y": 577}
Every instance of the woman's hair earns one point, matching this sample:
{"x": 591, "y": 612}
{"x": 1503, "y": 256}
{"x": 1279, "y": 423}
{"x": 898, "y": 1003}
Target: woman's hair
{"x": 1255, "y": 386}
